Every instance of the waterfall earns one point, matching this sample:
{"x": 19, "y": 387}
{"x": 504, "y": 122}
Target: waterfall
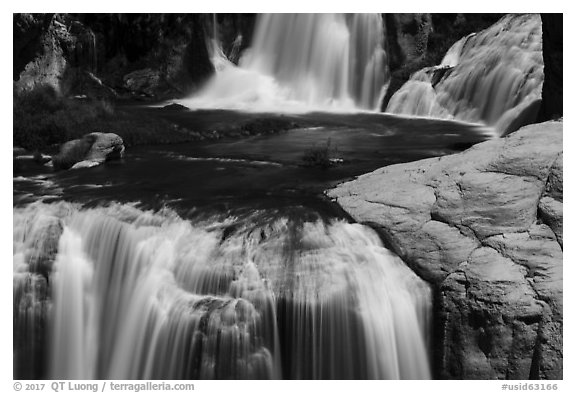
{"x": 493, "y": 77}
{"x": 215, "y": 50}
{"x": 132, "y": 294}
{"x": 303, "y": 62}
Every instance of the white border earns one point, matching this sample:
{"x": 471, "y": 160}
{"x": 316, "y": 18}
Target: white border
{"x": 247, "y": 6}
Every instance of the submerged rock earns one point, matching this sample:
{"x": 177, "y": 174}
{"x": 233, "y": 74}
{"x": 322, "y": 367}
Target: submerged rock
{"x": 93, "y": 149}
{"x": 174, "y": 107}
{"x": 18, "y": 151}
{"x": 485, "y": 228}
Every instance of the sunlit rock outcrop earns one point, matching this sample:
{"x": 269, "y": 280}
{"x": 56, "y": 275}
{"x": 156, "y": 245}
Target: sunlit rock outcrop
{"x": 485, "y": 227}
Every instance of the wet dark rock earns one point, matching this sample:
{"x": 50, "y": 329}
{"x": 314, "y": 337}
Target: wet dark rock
{"x": 174, "y": 107}
{"x": 485, "y": 228}
{"x": 439, "y": 73}
{"x": 552, "y": 51}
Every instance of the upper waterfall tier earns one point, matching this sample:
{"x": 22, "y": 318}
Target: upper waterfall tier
{"x": 493, "y": 77}
{"x": 302, "y": 62}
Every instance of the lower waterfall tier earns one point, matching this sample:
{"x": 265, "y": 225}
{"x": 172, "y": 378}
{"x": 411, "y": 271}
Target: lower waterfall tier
{"x": 121, "y": 293}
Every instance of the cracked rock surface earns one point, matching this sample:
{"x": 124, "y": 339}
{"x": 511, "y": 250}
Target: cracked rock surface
{"x": 484, "y": 227}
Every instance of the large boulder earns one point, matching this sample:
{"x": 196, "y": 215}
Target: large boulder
{"x": 91, "y": 150}
{"x": 484, "y": 227}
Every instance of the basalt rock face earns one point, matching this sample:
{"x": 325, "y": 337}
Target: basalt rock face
{"x": 485, "y": 228}
{"x": 172, "y": 47}
{"x": 172, "y": 51}
{"x": 70, "y": 51}
{"x": 52, "y": 50}
{"x": 552, "y": 48}
{"x": 407, "y": 37}
{"x": 27, "y": 28}
{"x": 406, "y": 45}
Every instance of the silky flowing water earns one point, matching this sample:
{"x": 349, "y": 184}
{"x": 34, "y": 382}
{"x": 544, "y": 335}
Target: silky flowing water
{"x": 221, "y": 260}
{"x": 302, "y": 62}
{"x": 493, "y": 77}
{"x": 130, "y": 294}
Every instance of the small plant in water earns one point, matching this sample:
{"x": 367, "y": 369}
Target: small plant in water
{"x": 321, "y": 156}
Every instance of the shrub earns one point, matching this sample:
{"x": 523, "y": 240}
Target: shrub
{"x": 320, "y": 156}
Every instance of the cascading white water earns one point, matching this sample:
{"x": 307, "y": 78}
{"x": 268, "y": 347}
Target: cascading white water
{"x": 136, "y": 294}
{"x": 304, "y": 62}
{"x": 490, "y": 77}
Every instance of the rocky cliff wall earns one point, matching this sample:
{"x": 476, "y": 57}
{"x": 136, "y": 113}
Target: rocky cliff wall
{"x": 146, "y": 55}
{"x": 52, "y": 50}
{"x": 552, "y": 50}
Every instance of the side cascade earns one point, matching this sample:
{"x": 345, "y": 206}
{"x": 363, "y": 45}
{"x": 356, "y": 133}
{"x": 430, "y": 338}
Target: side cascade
{"x": 121, "y": 293}
{"x": 302, "y": 62}
{"x": 492, "y": 77}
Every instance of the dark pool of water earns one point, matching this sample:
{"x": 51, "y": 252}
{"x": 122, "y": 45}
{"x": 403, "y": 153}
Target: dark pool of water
{"x": 253, "y": 172}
